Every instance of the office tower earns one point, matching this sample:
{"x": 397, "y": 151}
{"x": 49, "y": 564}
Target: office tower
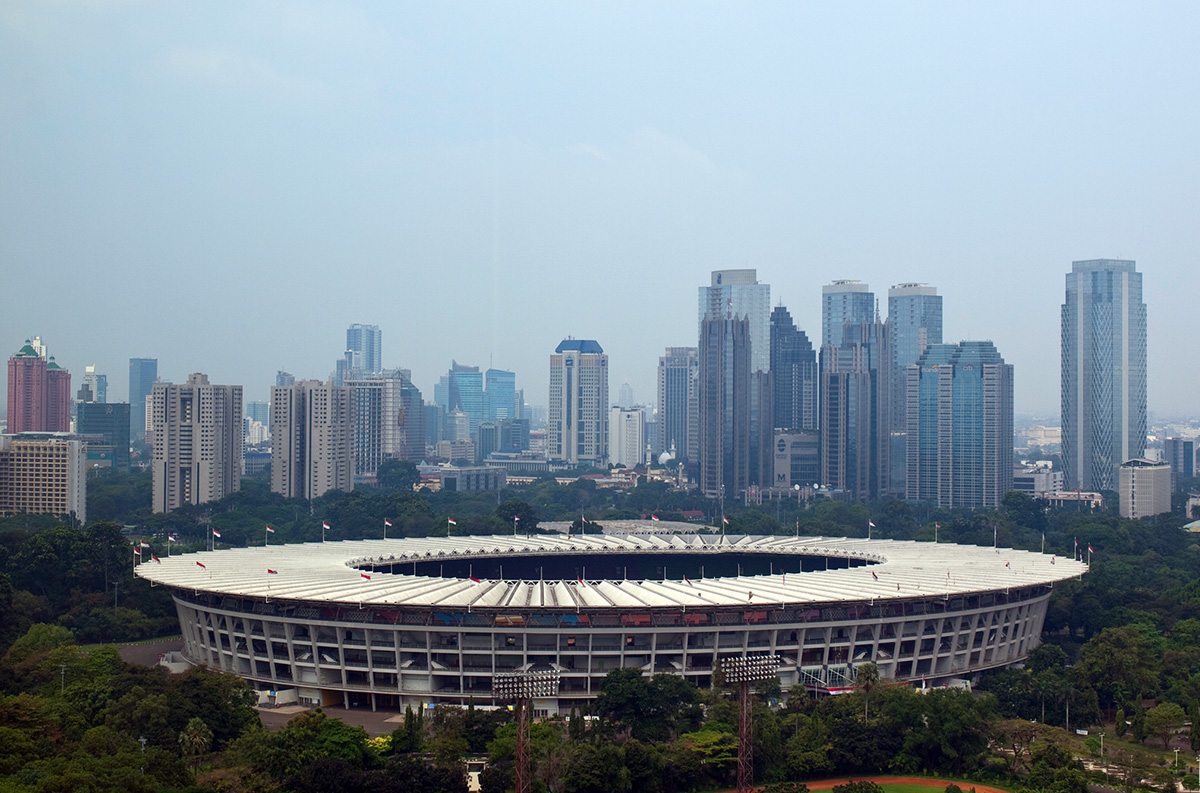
{"x": 389, "y": 422}
{"x": 1103, "y": 372}
{"x": 960, "y": 426}
{"x": 434, "y": 416}
{"x": 94, "y": 387}
{"x": 679, "y": 404}
{"x": 794, "y": 371}
{"x": 1144, "y": 488}
{"x": 142, "y": 374}
{"x": 914, "y": 322}
{"x": 1180, "y": 454}
{"x": 519, "y": 435}
{"x": 312, "y": 446}
{"x": 110, "y": 420}
{"x": 197, "y": 442}
{"x": 625, "y": 396}
{"x": 844, "y": 302}
{"x": 577, "y": 421}
{"x": 501, "y": 391}
{"x": 259, "y": 411}
{"x": 461, "y": 389}
{"x": 39, "y": 393}
{"x": 797, "y": 457}
{"x": 627, "y": 438}
{"x": 283, "y": 378}
{"x": 737, "y": 294}
{"x": 724, "y": 406}
{"x": 43, "y": 476}
{"x": 519, "y": 404}
{"x": 489, "y": 440}
{"x": 366, "y": 341}
{"x": 854, "y": 412}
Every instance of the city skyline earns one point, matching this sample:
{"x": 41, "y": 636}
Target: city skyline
{"x": 350, "y": 164}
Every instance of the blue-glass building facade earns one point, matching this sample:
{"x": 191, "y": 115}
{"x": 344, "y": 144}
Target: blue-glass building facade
{"x": 793, "y": 374}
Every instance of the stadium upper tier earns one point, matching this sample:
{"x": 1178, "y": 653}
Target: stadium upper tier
{"x": 354, "y": 572}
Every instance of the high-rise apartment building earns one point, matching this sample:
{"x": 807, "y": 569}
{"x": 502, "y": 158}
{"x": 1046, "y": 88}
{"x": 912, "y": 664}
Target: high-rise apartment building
{"x": 627, "y": 436}
{"x": 1103, "y": 372}
{"x": 312, "y": 445}
{"x": 844, "y": 302}
{"x": 43, "y": 476}
{"x": 855, "y": 431}
{"x": 577, "y": 420}
{"x": 679, "y": 404}
{"x": 283, "y": 378}
{"x": 794, "y": 374}
{"x": 39, "y": 393}
{"x": 197, "y": 442}
{"x": 389, "y": 422}
{"x": 960, "y": 426}
{"x": 724, "y": 406}
{"x": 110, "y": 420}
{"x": 500, "y": 392}
{"x": 142, "y": 374}
{"x": 366, "y": 342}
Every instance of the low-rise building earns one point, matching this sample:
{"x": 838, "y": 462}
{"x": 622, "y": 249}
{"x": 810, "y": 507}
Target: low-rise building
{"x": 41, "y": 474}
{"x": 1145, "y": 488}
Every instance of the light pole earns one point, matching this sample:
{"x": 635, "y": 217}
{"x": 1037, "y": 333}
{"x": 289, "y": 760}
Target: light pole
{"x": 745, "y": 670}
{"x": 520, "y": 688}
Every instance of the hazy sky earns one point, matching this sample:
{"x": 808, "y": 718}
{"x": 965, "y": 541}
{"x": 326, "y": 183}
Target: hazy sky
{"x": 227, "y": 186}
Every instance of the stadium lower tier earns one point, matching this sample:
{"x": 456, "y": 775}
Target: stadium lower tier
{"x": 371, "y": 656}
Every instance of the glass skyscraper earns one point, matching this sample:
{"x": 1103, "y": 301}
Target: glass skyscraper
{"x": 501, "y": 391}
{"x": 366, "y": 342}
{"x": 841, "y": 302}
{"x": 794, "y": 374}
{"x": 1103, "y": 372}
{"x": 142, "y": 374}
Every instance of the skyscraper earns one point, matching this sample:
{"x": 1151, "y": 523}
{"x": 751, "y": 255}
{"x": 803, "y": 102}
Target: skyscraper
{"x": 466, "y": 394}
{"x": 1103, "y": 372}
{"x": 142, "y": 374}
{"x": 627, "y": 442}
{"x": 841, "y": 302}
{"x": 312, "y": 449}
{"x": 794, "y": 372}
{"x": 389, "y": 422}
{"x": 855, "y": 431}
{"x": 960, "y": 425}
{"x": 95, "y": 386}
{"x": 39, "y": 393}
{"x": 366, "y": 341}
{"x": 724, "y": 406}
{"x": 625, "y": 396}
{"x": 679, "y": 403}
{"x": 111, "y": 421}
{"x": 914, "y": 322}
{"x": 1180, "y": 454}
{"x": 577, "y": 419}
{"x": 197, "y": 442}
{"x": 500, "y": 387}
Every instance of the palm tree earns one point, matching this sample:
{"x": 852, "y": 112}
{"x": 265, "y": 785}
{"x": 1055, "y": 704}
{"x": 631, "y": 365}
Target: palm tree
{"x": 866, "y": 678}
{"x": 195, "y": 740}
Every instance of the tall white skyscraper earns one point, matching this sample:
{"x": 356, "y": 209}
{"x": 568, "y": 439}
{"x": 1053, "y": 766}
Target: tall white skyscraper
{"x": 197, "y": 442}
{"x": 737, "y": 294}
{"x": 577, "y": 420}
{"x": 627, "y": 439}
{"x": 679, "y": 403}
{"x": 312, "y": 450}
{"x": 1103, "y": 372}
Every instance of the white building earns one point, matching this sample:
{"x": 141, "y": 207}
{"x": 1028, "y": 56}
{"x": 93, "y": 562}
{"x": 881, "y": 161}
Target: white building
{"x": 627, "y": 436}
{"x": 197, "y": 431}
{"x": 312, "y": 450}
{"x": 1145, "y": 488}
{"x": 577, "y": 421}
{"x": 1037, "y": 479}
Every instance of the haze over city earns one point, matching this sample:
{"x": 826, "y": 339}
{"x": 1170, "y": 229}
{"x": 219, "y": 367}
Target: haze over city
{"x": 227, "y": 188}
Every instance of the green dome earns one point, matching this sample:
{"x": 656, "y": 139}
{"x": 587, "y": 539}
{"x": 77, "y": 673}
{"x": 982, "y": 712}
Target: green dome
{"x": 27, "y": 351}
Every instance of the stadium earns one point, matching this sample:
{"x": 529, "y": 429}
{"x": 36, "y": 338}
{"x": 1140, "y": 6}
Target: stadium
{"x": 389, "y": 623}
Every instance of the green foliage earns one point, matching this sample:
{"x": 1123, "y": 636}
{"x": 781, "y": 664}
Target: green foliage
{"x": 860, "y": 786}
{"x": 1163, "y": 720}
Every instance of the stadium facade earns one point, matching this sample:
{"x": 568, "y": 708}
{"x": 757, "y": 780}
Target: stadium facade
{"x": 390, "y": 623}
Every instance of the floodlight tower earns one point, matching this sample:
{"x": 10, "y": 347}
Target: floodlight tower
{"x": 745, "y": 670}
{"x": 520, "y": 688}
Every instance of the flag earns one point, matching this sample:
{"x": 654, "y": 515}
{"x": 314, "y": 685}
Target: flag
{"x": 937, "y": 525}
{"x": 216, "y": 533}
{"x": 324, "y": 526}
{"x": 474, "y": 579}
{"x": 364, "y": 575}
{"x": 155, "y": 558}
{"x": 750, "y": 595}
{"x": 583, "y": 518}
{"x": 654, "y": 517}
{"x": 201, "y": 564}
{"x": 1090, "y": 548}
{"x": 871, "y": 523}
{"x": 579, "y": 581}
{"x": 874, "y": 575}
{"x": 387, "y": 523}
{"x": 1052, "y": 558}
{"x": 144, "y": 544}
{"x": 725, "y": 519}
{"x": 687, "y": 581}
{"x": 452, "y": 521}
{"x": 272, "y": 572}
{"x": 785, "y": 578}
{"x": 270, "y": 530}
{"x": 1008, "y": 565}
{"x": 137, "y": 551}
{"x": 515, "y": 517}
{"x": 172, "y": 538}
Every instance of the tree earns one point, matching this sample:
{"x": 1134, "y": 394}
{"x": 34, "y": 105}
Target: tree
{"x": 196, "y": 739}
{"x": 397, "y": 475}
{"x": 1163, "y": 720}
{"x": 1121, "y": 662}
{"x": 866, "y": 678}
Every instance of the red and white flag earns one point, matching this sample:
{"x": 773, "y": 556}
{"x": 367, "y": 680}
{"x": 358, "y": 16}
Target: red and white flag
{"x": 202, "y": 564}
{"x": 387, "y": 523}
{"x": 272, "y": 572}
{"x": 216, "y": 533}
{"x": 1090, "y": 550}
{"x": 654, "y": 517}
{"x": 172, "y": 538}
{"x": 474, "y": 580}
{"x": 687, "y": 581}
{"x": 871, "y": 523}
{"x": 364, "y": 575}
{"x": 144, "y": 544}
{"x": 1008, "y": 565}
{"x": 515, "y": 517}
{"x": 725, "y": 519}
{"x": 580, "y": 582}
{"x": 1052, "y": 558}
{"x": 324, "y": 525}
{"x": 155, "y": 558}
{"x": 454, "y": 522}
{"x": 270, "y": 530}
{"x": 137, "y": 551}
{"x": 874, "y": 575}
{"x": 937, "y": 525}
